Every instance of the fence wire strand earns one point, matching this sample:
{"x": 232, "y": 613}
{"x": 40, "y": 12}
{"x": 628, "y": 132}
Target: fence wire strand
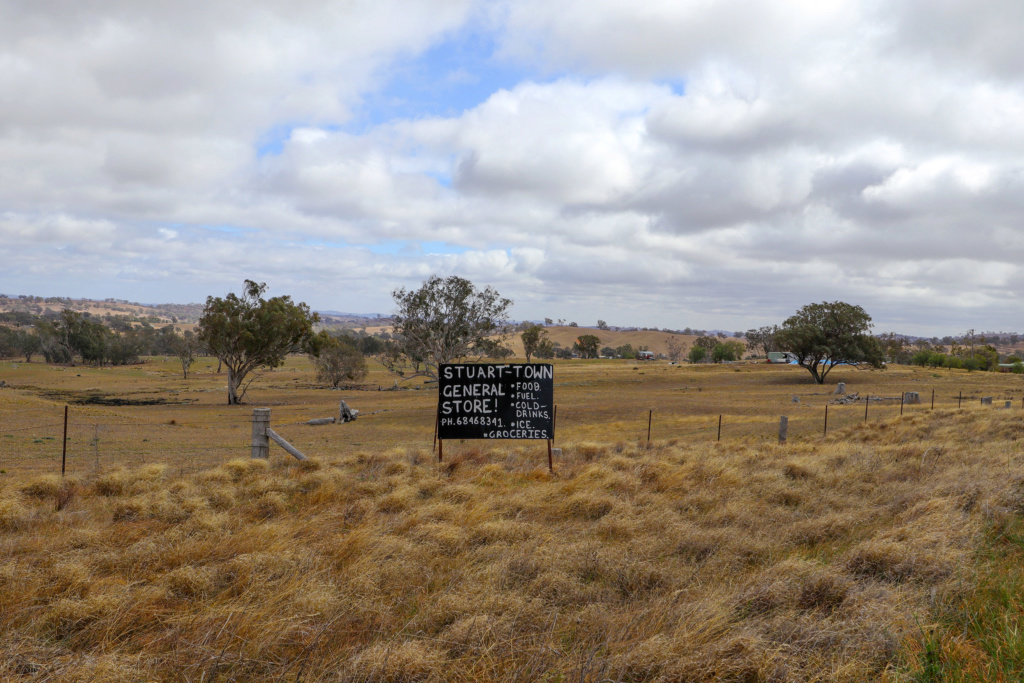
{"x": 102, "y": 440}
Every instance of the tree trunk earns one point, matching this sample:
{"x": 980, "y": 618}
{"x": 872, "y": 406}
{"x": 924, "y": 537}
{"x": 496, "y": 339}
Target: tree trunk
{"x": 232, "y": 388}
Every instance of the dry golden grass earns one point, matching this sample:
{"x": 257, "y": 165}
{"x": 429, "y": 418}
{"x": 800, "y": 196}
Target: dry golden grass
{"x": 167, "y": 554}
{"x": 747, "y": 561}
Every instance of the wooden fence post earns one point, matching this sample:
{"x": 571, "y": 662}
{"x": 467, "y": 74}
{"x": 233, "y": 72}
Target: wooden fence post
{"x": 650, "y": 417}
{"x": 824, "y": 432}
{"x": 719, "y": 427}
{"x": 260, "y": 441}
{"x": 783, "y": 428}
{"x": 262, "y": 434}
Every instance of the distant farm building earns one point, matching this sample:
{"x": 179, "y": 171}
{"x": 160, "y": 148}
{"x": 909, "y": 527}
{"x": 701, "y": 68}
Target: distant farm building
{"x": 781, "y": 357}
{"x": 645, "y": 355}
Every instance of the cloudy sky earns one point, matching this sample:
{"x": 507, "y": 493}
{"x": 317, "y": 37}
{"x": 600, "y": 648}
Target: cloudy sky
{"x": 671, "y": 163}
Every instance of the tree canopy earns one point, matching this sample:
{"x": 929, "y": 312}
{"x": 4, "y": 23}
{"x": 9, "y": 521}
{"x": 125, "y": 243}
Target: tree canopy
{"x": 249, "y": 332}
{"x": 729, "y": 350}
{"x": 534, "y": 339}
{"x": 441, "y": 322}
{"x": 587, "y": 345}
{"x": 763, "y": 338}
{"x": 824, "y": 335}
{"x": 338, "y": 361}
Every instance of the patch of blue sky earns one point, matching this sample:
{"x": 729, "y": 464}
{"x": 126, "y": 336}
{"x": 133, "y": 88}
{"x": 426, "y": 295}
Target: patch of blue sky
{"x": 676, "y": 85}
{"x": 449, "y": 78}
{"x": 443, "y": 178}
{"x": 272, "y": 142}
{"x": 412, "y": 248}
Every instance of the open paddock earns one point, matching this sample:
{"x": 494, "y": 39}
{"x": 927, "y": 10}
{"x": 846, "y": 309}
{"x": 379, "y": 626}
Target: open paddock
{"x": 148, "y": 414}
{"x": 886, "y": 551}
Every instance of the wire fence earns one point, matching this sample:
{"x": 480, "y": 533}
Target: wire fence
{"x": 97, "y": 440}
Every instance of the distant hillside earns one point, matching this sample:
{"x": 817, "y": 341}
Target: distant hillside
{"x": 156, "y": 314}
{"x": 153, "y": 314}
{"x": 354, "y": 321}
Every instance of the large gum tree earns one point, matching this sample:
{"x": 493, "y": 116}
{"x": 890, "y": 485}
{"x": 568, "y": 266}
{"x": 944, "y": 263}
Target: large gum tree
{"x": 824, "y": 335}
{"x": 249, "y": 332}
{"x": 441, "y": 322}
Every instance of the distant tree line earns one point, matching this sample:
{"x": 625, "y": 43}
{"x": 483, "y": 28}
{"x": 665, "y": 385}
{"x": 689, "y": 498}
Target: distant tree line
{"x": 449, "y": 320}
{"x": 71, "y": 337}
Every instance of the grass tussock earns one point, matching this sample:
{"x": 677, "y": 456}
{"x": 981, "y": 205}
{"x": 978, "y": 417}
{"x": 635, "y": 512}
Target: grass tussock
{"x": 815, "y": 561}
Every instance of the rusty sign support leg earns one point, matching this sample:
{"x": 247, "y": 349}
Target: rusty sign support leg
{"x": 64, "y": 447}
{"x": 437, "y": 422}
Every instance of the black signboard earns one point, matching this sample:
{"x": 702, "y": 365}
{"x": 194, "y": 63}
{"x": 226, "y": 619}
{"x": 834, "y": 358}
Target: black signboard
{"x": 512, "y": 401}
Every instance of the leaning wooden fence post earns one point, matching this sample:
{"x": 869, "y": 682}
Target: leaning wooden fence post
{"x": 867, "y": 402}
{"x": 260, "y": 441}
{"x": 64, "y": 446}
{"x": 824, "y": 432}
{"x": 650, "y": 417}
{"x": 783, "y": 428}
{"x": 933, "y": 399}
{"x": 719, "y": 427}
{"x": 279, "y": 440}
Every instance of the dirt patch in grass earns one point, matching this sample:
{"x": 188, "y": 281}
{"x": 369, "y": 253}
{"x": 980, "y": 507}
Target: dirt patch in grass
{"x": 96, "y": 398}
